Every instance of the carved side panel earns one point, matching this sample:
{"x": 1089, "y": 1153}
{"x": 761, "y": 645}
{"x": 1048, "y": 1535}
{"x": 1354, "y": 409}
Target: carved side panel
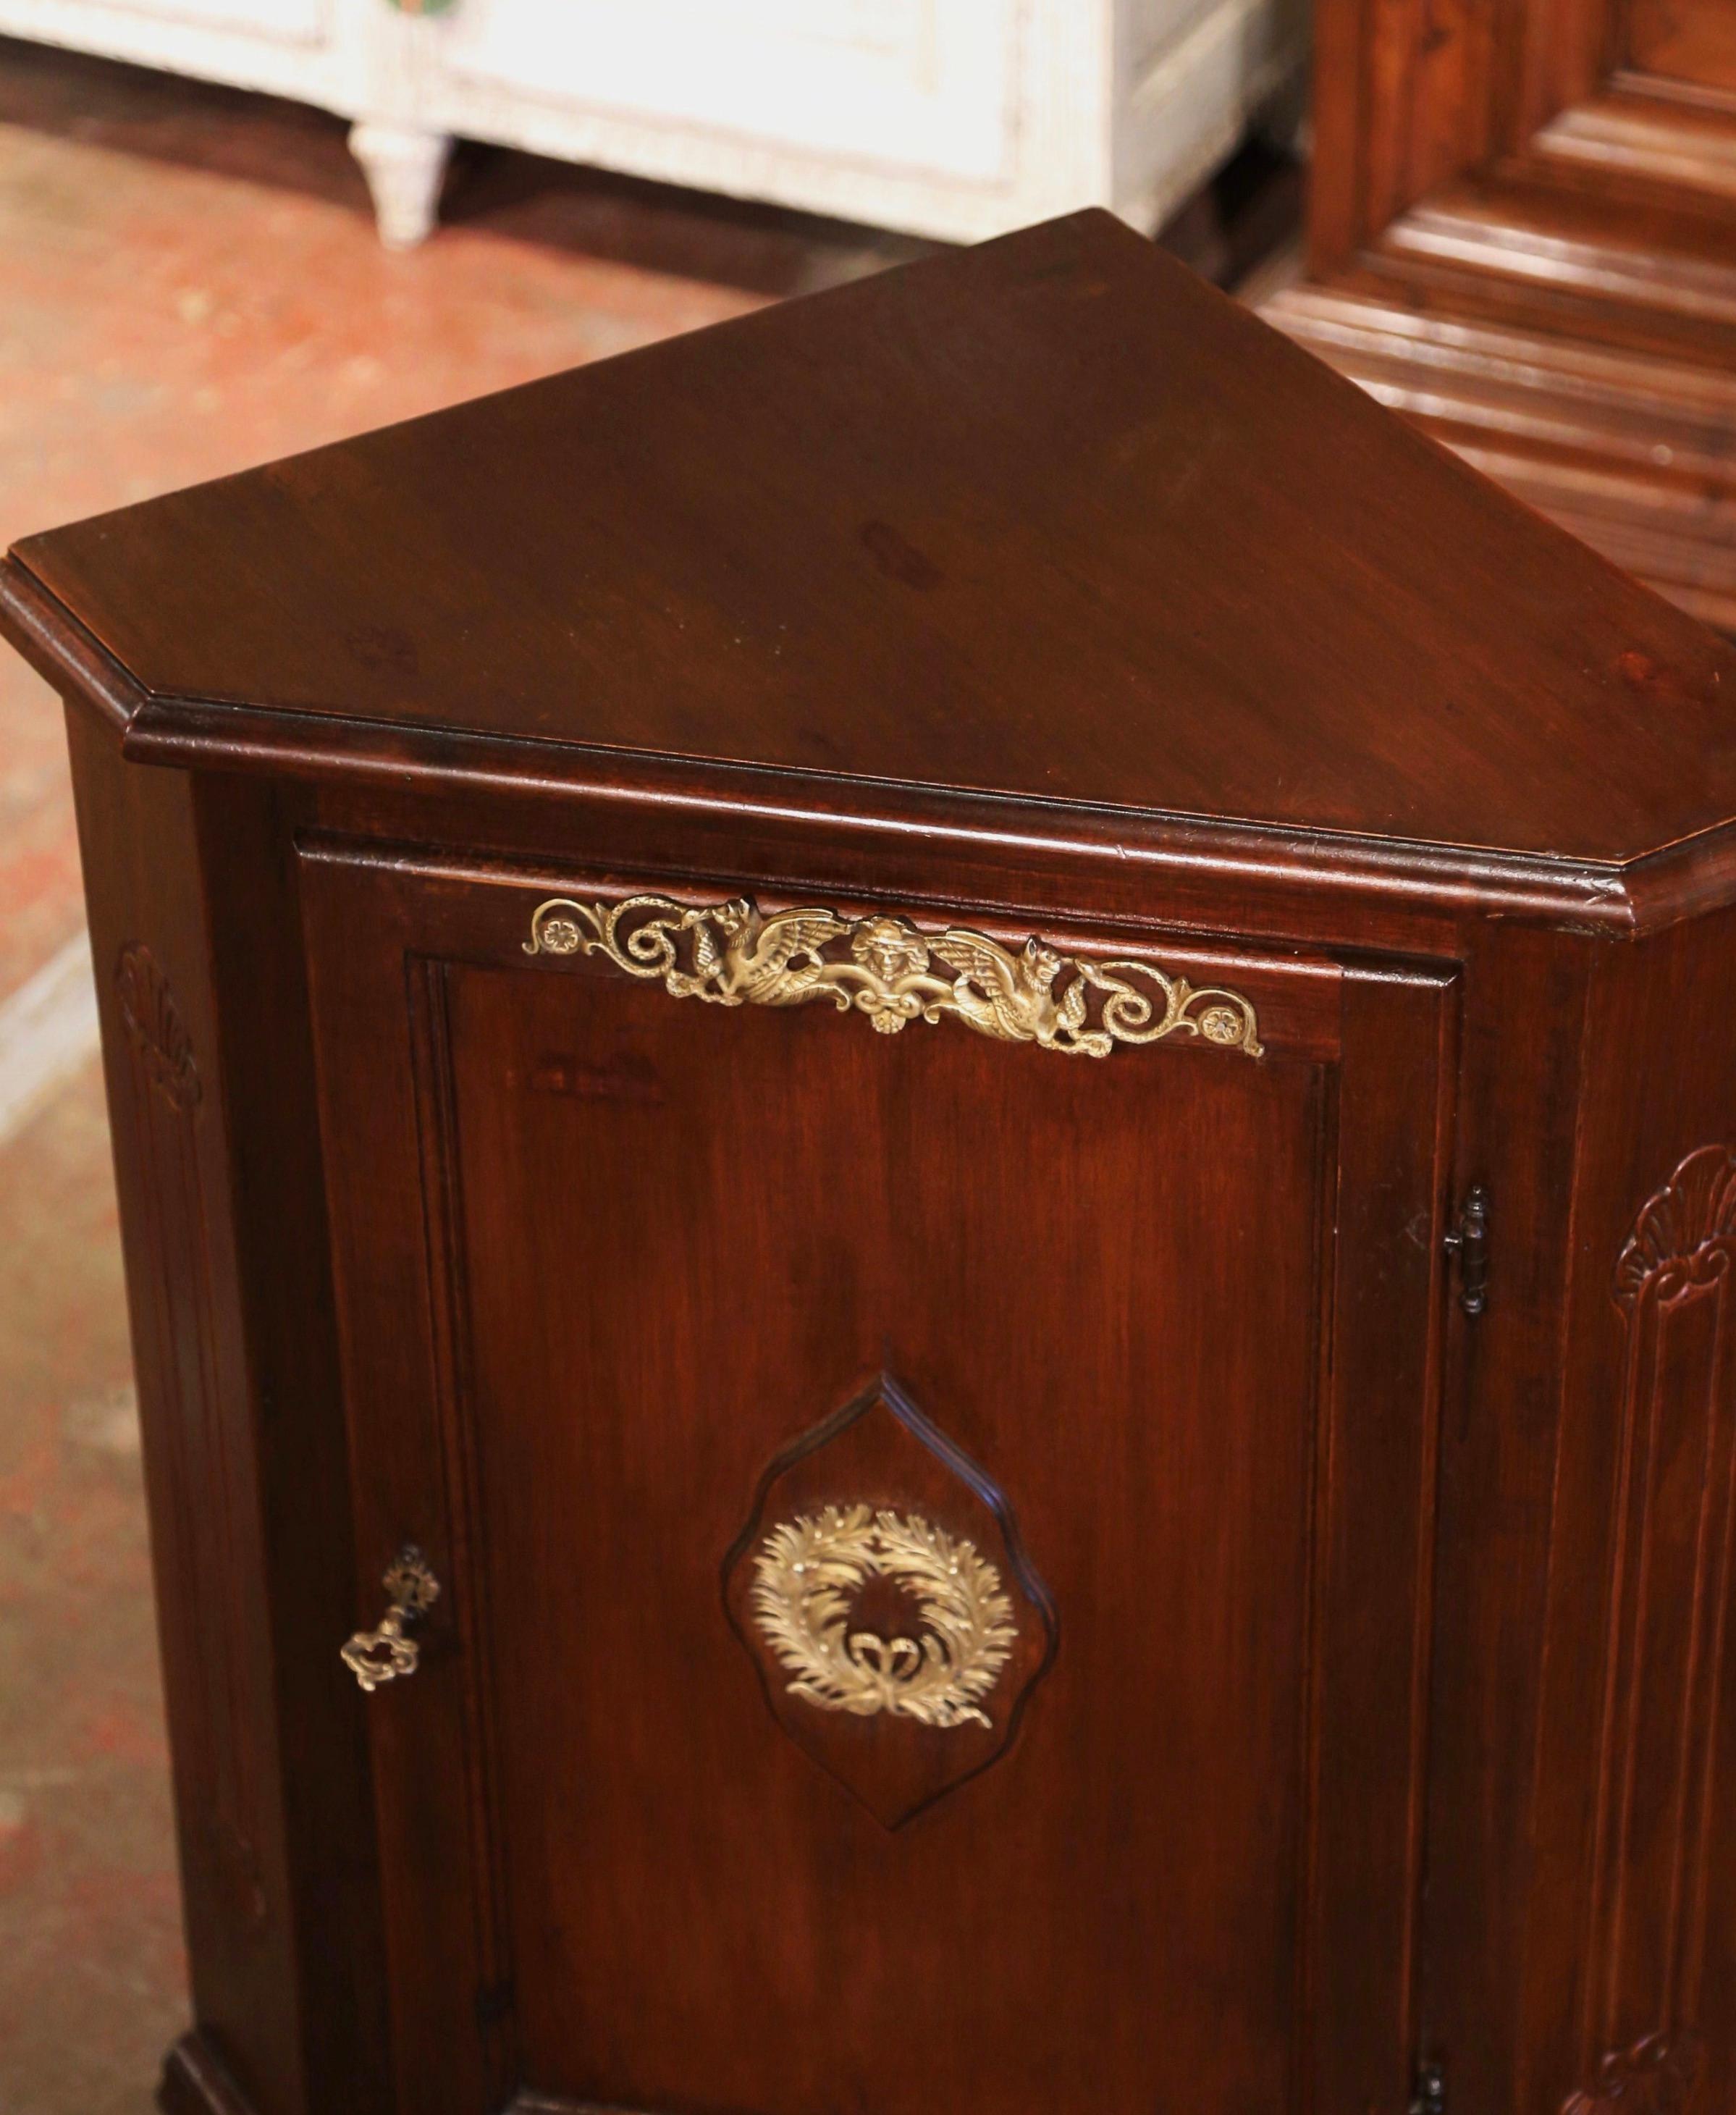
{"x": 208, "y": 1493}
{"x": 1654, "y": 2077}
{"x": 1670, "y": 1593}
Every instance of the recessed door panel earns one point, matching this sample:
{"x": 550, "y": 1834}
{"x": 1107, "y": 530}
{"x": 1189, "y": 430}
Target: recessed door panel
{"x": 1684, "y": 40}
{"x": 671, "y": 1280}
{"x": 895, "y": 1491}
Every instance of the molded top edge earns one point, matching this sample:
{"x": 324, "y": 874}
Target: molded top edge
{"x": 1047, "y": 528}
{"x": 1602, "y": 899}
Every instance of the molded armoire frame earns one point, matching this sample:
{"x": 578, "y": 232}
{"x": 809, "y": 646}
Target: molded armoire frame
{"x": 1522, "y": 235}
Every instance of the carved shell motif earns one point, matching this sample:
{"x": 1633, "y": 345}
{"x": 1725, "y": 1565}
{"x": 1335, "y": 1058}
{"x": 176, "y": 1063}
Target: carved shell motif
{"x": 1654, "y": 2077}
{"x": 1695, "y": 1208}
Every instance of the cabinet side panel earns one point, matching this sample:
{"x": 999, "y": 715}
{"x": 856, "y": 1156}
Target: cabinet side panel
{"x": 149, "y": 944}
{"x": 1632, "y": 1972}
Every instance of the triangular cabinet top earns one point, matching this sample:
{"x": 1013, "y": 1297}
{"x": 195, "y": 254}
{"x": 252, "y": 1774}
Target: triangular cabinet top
{"x": 1045, "y": 526}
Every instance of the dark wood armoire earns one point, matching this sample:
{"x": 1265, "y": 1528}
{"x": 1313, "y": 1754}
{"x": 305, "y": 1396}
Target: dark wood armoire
{"x": 1523, "y": 236}
{"x": 927, "y": 1134}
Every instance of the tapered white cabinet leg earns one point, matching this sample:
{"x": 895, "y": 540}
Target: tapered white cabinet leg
{"x": 405, "y": 167}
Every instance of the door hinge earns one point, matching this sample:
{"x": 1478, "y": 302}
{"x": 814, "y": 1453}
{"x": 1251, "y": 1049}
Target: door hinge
{"x": 1430, "y": 2097}
{"x": 1469, "y": 1240}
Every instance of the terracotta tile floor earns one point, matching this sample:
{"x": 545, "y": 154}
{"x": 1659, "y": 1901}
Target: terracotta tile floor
{"x": 189, "y": 283}
{"x": 90, "y": 1966}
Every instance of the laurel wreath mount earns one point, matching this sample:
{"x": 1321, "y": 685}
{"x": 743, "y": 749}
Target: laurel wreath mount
{"x": 808, "y": 1574}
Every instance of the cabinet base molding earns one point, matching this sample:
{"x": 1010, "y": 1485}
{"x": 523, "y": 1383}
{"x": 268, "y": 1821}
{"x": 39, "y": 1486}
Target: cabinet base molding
{"x": 196, "y": 2081}
{"x": 544, "y": 2104}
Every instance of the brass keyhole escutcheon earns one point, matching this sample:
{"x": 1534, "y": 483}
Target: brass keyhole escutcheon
{"x": 385, "y": 1654}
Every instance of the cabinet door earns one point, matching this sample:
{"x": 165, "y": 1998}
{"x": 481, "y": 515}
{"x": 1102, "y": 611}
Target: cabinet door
{"x": 933, "y": 1532}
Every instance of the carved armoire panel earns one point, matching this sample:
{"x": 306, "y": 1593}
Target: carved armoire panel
{"x": 1521, "y": 238}
{"x": 180, "y": 1361}
{"x": 1668, "y": 1629}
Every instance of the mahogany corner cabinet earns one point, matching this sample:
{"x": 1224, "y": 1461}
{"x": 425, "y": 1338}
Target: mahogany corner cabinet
{"x": 926, "y": 1117}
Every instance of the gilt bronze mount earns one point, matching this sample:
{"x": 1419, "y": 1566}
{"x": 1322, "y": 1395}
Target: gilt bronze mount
{"x": 732, "y": 954}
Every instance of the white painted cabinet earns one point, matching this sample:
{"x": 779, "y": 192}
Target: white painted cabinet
{"x": 957, "y": 118}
